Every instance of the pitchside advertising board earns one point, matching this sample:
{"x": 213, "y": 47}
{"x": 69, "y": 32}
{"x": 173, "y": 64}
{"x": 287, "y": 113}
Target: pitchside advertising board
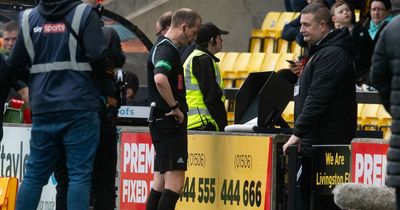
{"x": 224, "y": 172}
{"x": 369, "y": 162}
{"x": 331, "y": 167}
{"x": 14, "y": 154}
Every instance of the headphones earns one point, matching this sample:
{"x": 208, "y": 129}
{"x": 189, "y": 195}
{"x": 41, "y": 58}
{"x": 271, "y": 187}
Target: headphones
{"x": 213, "y": 41}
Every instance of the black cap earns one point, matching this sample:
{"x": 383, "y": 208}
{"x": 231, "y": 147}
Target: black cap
{"x": 207, "y": 31}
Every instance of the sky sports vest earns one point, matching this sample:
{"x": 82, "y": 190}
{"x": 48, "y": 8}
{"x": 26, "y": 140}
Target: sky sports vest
{"x": 61, "y": 77}
{"x": 198, "y": 112}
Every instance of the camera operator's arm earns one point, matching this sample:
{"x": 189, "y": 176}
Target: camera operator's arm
{"x": 114, "y": 48}
{"x": 94, "y": 43}
{"x": 19, "y": 61}
{"x": 115, "y": 59}
{"x": 3, "y": 70}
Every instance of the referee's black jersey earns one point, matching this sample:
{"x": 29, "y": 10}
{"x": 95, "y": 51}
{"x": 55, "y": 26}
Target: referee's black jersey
{"x": 164, "y": 59}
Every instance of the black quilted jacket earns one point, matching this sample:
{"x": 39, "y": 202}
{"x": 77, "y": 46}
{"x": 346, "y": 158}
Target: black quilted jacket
{"x": 385, "y": 76}
{"x": 325, "y": 107}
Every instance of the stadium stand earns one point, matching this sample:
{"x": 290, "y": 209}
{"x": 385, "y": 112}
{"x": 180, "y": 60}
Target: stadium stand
{"x": 267, "y": 52}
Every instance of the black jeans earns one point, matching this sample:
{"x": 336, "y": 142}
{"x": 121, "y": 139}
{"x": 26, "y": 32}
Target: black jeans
{"x": 104, "y": 171}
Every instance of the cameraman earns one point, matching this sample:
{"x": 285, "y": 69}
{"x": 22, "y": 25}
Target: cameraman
{"x": 3, "y": 90}
{"x": 104, "y": 170}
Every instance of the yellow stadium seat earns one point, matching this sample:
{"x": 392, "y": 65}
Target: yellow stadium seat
{"x": 288, "y": 113}
{"x": 387, "y": 133}
{"x": 296, "y": 49}
{"x": 282, "y": 46}
{"x": 270, "y": 61}
{"x": 240, "y": 68}
{"x": 255, "y": 44}
{"x": 383, "y": 116}
{"x": 227, "y": 67}
{"x": 231, "y": 117}
{"x": 385, "y": 120}
{"x": 227, "y": 63}
{"x": 284, "y": 19}
{"x": 269, "y": 45}
{"x": 271, "y": 30}
{"x": 296, "y": 14}
{"x": 220, "y": 55}
{"x": 269, "y": 23}
{"x": 359, "y": 118}
{"x": 369, "y": 117}
{"x": 255, "y": 63}
{"x": 257, "y": 35}
{"x": 8, "y": 195}
{"x": 272, "y": 41}
{"x": 282, "y": 61}
{"x": 357, "y": 14}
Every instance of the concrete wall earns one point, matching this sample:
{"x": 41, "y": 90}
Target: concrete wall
{"x": 236, "y": 16}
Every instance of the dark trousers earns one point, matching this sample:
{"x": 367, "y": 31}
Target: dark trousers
{"x": 104, "y": 171}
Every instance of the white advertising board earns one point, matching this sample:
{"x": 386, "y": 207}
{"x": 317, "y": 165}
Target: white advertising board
{"x": 14, "y": 152}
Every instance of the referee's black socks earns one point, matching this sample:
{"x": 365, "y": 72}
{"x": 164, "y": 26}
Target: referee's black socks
{"x": 168, "y": 200}
{"x": 153, "y": 200}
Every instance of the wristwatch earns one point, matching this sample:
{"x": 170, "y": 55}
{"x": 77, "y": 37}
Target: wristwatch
{"x": 174, "y": 106}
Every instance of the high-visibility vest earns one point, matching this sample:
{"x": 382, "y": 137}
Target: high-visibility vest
{"x": 198, "y": 112}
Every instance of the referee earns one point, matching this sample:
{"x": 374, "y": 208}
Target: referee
{"x": 168, "y": 116}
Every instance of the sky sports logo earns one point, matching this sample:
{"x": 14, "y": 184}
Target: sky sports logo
{"x": 54, "y": 28}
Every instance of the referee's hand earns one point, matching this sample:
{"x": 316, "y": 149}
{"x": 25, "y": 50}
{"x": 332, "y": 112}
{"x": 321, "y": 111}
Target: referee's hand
{"x": 177, "y": 113}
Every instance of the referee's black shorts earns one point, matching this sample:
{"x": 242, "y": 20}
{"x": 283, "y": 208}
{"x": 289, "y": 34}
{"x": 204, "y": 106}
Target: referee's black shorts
{"x": 170, "y": 142}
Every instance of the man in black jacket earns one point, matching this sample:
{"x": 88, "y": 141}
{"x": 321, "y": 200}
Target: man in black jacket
{"x": 385, "y": 77}
{"x": 325, "y": 100}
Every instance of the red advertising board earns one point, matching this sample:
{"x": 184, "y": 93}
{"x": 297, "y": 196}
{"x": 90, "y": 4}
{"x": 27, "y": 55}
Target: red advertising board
{"x": 136, "y": 170}
{"x": 368, "y": 162}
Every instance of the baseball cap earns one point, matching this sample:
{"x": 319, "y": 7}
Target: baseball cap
{"x": 207, "y": 31}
